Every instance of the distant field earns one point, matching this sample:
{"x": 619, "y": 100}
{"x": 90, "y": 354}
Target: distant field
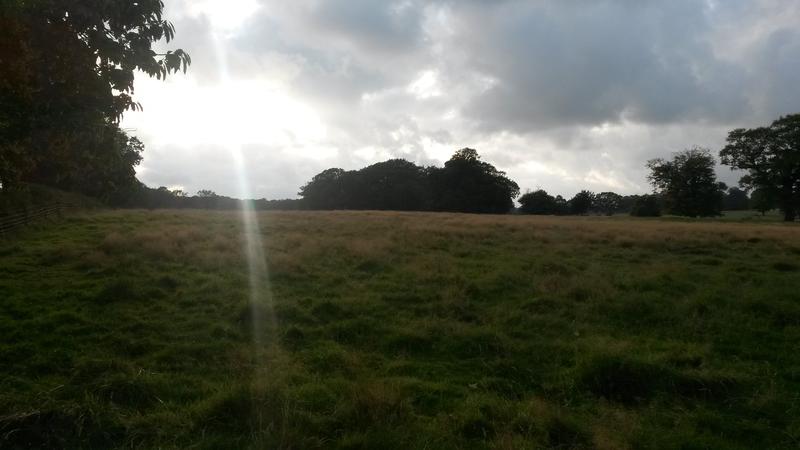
{"x": 134, "y": 329}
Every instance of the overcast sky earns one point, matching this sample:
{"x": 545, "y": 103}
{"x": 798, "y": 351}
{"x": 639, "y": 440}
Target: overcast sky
{"x": 562, "y": 95}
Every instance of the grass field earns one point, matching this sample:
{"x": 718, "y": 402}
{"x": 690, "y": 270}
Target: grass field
{"x": 134, "y": 329}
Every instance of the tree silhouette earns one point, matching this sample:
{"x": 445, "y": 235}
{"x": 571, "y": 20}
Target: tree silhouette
{"x": 68, "y": 82}
{"x": 395, "y": 184}
{"x": 538, "y": 202}
{"x": 581, "y": 202}
{"x": 688, "y": 183}
{"x": 771, "y": 155}
{"x": 326, "y": 190}
{"x": 608, "y": 203}
{"x": 467, "y": 184}
{"x": 646, "y": 206}
{"x": 464, "y": 184}
{"x": 735, "y": 200}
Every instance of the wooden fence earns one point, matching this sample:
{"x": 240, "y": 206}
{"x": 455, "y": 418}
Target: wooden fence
{"x": 9, "y": 222}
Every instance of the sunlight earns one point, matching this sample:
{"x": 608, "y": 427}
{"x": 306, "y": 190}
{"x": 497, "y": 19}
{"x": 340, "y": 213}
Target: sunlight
{"x": 425, "y": 86}
{"x": 260, "y": 301}
{"x": 224, "y": 15}
{"x": 231, "y": 113}
{"x": 261, "y": 310}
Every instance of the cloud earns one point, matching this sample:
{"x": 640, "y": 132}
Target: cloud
{"x": 563, "y": 95}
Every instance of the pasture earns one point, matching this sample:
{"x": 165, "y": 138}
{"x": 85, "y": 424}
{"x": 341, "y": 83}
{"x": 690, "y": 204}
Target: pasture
{"x": 140, "y": 329}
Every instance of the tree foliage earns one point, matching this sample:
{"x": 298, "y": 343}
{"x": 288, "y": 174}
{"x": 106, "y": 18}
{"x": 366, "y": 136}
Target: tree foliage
{"x": 771, "y": 156}
{"x": 538, "y": 202}
{"x": 735, "y": 200}
{"x": 608, "y": 203}
{"x": 467, "y": 184}
{"x": 646, "y": 206}
{"x": 68, "y": 73}
{"x": 762, "y": 200}
{"x": 581, "y": 203}
{"x": 688, "y": 183}
{"x": 464, "y": 184}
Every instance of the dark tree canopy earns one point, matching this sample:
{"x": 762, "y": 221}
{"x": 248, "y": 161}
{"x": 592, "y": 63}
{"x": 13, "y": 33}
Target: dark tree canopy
{"x": 688, "y": 183}
{"x": 581, "y": 203}
{"x": 325, "y": 190}
{"x": 771, "y": 156}
{"x": 646, "y": 206}
{"x": 467, "y": 184}
{"x": 67, "y": 78}
{"x": 539, "y": 202}
{"x": 395, "y": 184}
{"x": 735, "y": 200}
{"x": 608, "y": 203}
{"x": 464, "y": 184}
{"x": 762, "y": 200}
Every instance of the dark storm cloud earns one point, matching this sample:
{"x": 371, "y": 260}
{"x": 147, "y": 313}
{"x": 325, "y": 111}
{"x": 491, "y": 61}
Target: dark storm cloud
{"x": 779, "y": 59}
{"x": 574, "y": 62}
{"x": 545, "y": 64}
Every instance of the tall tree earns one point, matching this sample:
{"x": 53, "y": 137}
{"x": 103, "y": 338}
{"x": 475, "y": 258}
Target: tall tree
{"x": 395, "y": 184}
{"x": 326, "y": 190}
{"x": 67, "y": 77}
{"x": 688, "y": 183}
{"x": 771, "y": 156}
{"x": 467, "y": 184}
{"x": 581, "y": 202}
{"x": 538, "y": 202}
{"x": 608, "y": 203}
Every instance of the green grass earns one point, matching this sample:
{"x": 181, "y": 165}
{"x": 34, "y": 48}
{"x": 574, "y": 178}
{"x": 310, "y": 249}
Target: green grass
{"x": 400, "y": 330}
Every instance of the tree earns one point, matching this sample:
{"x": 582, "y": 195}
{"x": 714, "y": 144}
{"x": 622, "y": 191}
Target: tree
{"x": 735, "y": 200}
{"x": 581, "y": 203}
{"x": 467, "y": 184}
{"x": 762, "y": 200}
{"x": 688, "y": 183}
{"x": 771, "y": 156}
{"x": 71, "y": 78}
{"x": 119, "y": 34}
{"x": 104, "y": 167}
{"x": 326, "y": 190}
{"x": 646, "y": 206}
{"x": 607, "y": 203}
{"x": 464, "y": 184}
{"x": 561, "y": 205}
{"x": 395, "y": 184}
{"x": 538, "y": 202}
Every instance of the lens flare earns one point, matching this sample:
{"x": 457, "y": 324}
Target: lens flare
{"x": 261, "y": 308}
{"x": 260, "y": 299}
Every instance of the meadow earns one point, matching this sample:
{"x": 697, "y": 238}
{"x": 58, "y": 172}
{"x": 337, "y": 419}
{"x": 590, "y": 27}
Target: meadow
{"x": 139, "y": 329}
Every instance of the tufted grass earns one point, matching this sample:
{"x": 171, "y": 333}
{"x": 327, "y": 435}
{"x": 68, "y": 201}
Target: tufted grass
{"x": 133, "y": 329}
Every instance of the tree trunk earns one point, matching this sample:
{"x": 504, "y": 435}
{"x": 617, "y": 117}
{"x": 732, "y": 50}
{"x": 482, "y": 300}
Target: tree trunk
{"x": 789, "y": 214}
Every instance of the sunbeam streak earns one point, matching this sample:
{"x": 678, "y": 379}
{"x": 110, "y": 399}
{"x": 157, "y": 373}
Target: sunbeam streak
{"x": 261, "y": 307}
{"x": 260, "y": 298}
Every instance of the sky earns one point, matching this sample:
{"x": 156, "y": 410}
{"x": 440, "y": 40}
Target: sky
{"x": 562, "y": 95}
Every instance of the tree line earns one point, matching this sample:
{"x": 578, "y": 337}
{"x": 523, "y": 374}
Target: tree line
{"x": 464, "y": 184}
{"x": 685, "y": 185}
